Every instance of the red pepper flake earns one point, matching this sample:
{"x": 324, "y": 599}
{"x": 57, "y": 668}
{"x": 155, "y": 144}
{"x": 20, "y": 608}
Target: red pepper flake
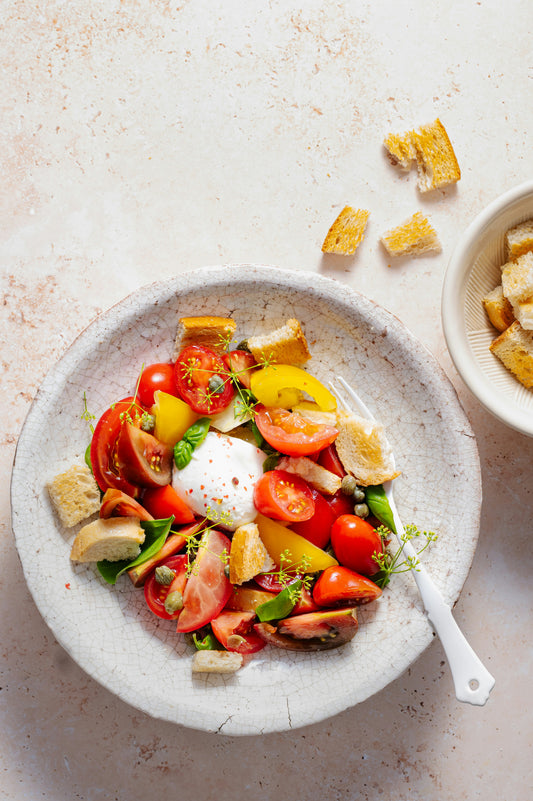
{"x": 67, "y": 585}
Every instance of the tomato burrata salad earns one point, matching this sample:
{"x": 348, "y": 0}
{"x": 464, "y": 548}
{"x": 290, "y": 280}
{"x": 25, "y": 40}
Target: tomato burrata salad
{"x": 256, "y": 533}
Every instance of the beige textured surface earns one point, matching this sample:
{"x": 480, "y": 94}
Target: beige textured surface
{"x": 139, "y": 141}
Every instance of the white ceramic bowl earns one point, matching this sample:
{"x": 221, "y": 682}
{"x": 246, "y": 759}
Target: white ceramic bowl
{"x": 473, "y": 271}
{"x": 110, "y": 632}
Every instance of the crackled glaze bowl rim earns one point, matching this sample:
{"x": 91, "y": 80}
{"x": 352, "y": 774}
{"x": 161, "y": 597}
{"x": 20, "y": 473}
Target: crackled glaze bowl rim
{"x": 466, "y": 327}
{"x": 295, "y": 691}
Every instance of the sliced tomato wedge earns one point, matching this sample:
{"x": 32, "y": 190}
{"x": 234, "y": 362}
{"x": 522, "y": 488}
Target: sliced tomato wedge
{"x": 329, "y": 459}
{"x": 156, "y": 594}
{"x": 292, "y": 434}
{"x": 241, "y": 624}
{"x": 202, "y": 380}
{"x": 340, "y": 586}
{"x": 208, "y": 588}
{"x": 241, "y": 364}
{"x": 117, "y": 502}
{"x": 141, "y": 458}
{"x": 162, "y": 502}
{"x": 103, "y": 449}
{"x": 283, "y": 496}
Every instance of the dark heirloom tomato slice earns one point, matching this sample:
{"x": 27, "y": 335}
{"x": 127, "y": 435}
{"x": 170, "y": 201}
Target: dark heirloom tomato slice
{"x": 230, "y": 623}
{"x": 283, "y": 496}
{"x": 103, "y": 453}
{"x": 156, "y": 594}
{"x": 142, "y": 459}
{"x": 340, "y": 586}
{"x": 292, "y": 434}
{"x": 202, "y": 380}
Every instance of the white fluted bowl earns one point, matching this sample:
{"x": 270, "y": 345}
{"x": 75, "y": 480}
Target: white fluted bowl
{"x": 473, "y": 271}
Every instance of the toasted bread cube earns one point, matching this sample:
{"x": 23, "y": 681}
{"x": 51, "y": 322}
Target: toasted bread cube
{"x": 216, "y": 662}
{"x": 401, "y": 150}
{"x": 514, "y": 348}
{"x": 212, "y": 332}
{"x": 248, "y": 555}
{"x": 364, "y": 450}
{"x": 317, "y": 476}
{"x": 430, "y": 146}
{"x": 75, "y": 495}
{"x": 519, "y": 239}
{"x": 517, "y": 279}
{"x": 437, "y": 163}
{"x": 347, "y": 232}
{"x": 285, "y": 345}
{"x": 113, "y": 539}
{"x": 524, "y": 314}
{"x": 414, "y": 237}
{"x": 499, "y": 309}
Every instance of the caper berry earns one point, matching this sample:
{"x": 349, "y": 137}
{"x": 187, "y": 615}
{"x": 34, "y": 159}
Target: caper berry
{"x": 226, "y": 571}
{"x": 216, "y": 384}
{"x": 348, "y": 485}
{"x": 358, "y": 495}
{"x": 361, "y": 510}
{"x": 243, "y": 345}
{"x": 164, "y": 575}
{"x": 173, "y": 602}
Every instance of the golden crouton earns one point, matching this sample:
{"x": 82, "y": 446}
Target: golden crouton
{"x": 213, "y": 332}
{"x": 285, "y": 345}
{"x": 413, "y": 237}
{"x": 347, "y": 232}
{"x": 75, "y": 495}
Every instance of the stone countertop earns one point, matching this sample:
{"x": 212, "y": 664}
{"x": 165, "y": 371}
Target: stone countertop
{"x": 140, "y": 140}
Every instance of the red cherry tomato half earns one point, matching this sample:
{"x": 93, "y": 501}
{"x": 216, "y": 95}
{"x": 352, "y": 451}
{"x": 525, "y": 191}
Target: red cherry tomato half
{"x": 317, "y": 528}
{"x": 292, "y": 434}
{"x": 141, "y": 458}
{"x": 340, "y": 586}
{"x": 241, "y": 364}
{"x": 208, "y": 589}
{"x": 283, "y": 496}
{"x": 329, "y": 459}
{"x": 202, "y": 380}
{"x": 103, "y": 449}
{"x": 354, "y": 542}
{"x": 154, "y": 377}
{"x": 162, "y": 502}
{"x": 156, "y": 594}
{"x": 239, "y": 623}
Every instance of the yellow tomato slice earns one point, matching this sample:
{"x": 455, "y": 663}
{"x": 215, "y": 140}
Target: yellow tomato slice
{"x": 270, "y": 386}
{"x": 278, "y": 539}
{"x": 172, "y": 417}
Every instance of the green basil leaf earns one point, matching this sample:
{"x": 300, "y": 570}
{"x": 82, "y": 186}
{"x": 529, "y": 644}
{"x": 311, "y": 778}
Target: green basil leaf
{"x": 156, "y": 532}
{"x": 282, "y": 605}
{"x": 182, "y": 453}
{"x": 378, "y": 504}
{"x": 196, "y": 434}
